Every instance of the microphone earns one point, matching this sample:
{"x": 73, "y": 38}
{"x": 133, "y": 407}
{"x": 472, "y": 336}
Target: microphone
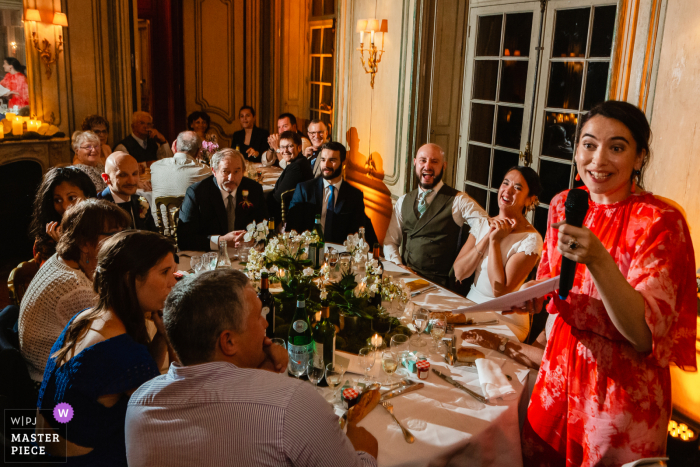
{"x": 575, "y": 210}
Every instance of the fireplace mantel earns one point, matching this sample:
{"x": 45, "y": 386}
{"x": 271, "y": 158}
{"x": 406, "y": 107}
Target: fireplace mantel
{"x": 47, "y": 153}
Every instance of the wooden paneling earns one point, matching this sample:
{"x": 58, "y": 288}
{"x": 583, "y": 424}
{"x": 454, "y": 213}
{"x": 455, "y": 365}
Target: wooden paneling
{"x": 294, "y": 58}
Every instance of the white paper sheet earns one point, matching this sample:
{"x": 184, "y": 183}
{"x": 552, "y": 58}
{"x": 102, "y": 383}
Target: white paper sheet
{"x": 514, "y": 299}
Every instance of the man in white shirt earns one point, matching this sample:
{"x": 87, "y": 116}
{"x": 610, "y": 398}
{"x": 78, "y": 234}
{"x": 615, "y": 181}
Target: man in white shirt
{"x": 145, "y": 143}
{"x": 172, "y": 176}
{"x": 285, "y": 122}
{"x": 428, "y": 221}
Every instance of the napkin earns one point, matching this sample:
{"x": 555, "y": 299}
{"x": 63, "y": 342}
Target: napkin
{"x": 493, "y": 382}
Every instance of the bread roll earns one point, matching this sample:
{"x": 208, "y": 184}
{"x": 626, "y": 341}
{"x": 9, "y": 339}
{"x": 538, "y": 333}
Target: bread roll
{"x": 468, "y": 354}
{"x": 365, "y": 405}
{"x": 452, "y": 318}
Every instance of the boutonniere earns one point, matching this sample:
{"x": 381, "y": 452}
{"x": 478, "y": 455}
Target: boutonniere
{"x": 245, "y": 203}
{"x": 143, "y": 207}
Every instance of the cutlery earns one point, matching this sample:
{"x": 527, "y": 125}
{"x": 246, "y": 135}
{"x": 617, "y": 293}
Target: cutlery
{"x": 407, "y": 435}
{"x": 427, "y": 289}
{"x": 454, "y": 383}
{"x": 480, "y": 323}
{"x": 403, "y": 382}
{"x": 404, "y": 390}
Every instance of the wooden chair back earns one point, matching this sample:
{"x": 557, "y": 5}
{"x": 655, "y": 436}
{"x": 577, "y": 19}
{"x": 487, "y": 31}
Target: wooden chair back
{"x": 172, "y": 212}
{"x": 19, "y": 280}
{"x": 286, "y": 199}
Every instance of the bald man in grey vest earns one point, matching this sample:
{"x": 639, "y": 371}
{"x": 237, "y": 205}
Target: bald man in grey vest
{"x": 429, "y": 219}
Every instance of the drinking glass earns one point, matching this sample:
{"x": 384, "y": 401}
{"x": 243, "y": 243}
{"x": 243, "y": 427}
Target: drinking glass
{"x": 420, "y": 321}
{"x": 209, "y": 260}
{"x": 334, "y": 378}
{"x": 389, "y": 364}
{"x": 196, "y": 263}
{"x": 437, "y": 331}
{"x": 333, "y": 257}
{"x": 399, "y": 343}
{"x": 345, "y": 264}
{"x": 243, "y": 252}
{"x": 314, "y": 372}
{"x": 297, "y": 367}
{"x": 368, "y": 356}
{"x": 278, "y": 341}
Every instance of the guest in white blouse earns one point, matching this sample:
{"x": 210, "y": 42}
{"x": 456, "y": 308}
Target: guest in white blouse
{"x": 502, "y": 252}
{"x": 63, "y": 285}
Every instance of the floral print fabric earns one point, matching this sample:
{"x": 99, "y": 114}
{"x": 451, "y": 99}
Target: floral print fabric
{"x": 597, "y": 401}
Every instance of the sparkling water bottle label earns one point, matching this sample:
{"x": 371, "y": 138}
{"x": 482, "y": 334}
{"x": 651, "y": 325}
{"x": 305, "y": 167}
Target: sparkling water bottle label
{"x": 300, "y": 326}
{"x": 300, "y": 354}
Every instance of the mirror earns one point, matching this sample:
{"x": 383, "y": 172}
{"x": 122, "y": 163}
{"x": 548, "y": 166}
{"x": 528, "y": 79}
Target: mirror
{"x": 14, "y": 88}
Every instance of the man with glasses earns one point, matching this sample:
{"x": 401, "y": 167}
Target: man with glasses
{"x": 318, "y": 134}
{"x": 145, "y": 143}
{"x": 297, "y": 170}
{"x": 285, "y": 122}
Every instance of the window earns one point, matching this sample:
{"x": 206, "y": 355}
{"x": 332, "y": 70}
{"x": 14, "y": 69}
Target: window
{"x": 322, "y": 59}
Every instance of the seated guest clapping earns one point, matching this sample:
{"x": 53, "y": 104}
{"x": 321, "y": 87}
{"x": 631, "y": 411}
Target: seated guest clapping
{"x": 61, "y": 188}
{"x": 502, "y": 252}
{"x": 122, "y": 177}
{"x": 218, "y": 406}
{"x": 63, "y": 286}
{"x": 341, "y": 205}
{"x": 104, "y": 354}
{"x": 88, "y": 152}
{"x": 220, "y": 207}
{"x": 297, "y": 169}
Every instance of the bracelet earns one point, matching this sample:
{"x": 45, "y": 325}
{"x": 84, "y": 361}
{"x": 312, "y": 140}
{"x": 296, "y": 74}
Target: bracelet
{"x": 481, "y": 253}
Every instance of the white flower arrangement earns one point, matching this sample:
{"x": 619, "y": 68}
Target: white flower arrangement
{"x": 144, "y": 208}
{"x": 354, "y": 245}
{"x": 308, "y": 272}
{"x": 257, "y": 232}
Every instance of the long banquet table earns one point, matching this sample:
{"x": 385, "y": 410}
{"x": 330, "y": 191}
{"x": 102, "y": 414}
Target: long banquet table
{"x": 450, "y": 427}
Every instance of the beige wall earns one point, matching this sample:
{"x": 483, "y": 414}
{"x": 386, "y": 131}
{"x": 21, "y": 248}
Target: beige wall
{"x": 674, "y": 171}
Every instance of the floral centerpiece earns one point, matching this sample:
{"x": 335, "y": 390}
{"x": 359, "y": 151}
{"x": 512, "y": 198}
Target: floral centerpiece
{"x": 208, "y": 148}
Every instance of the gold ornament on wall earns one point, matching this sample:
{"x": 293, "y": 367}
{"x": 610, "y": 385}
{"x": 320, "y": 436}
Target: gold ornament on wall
{"x": 374, "y": 56}
{"x": 47, "y": 56}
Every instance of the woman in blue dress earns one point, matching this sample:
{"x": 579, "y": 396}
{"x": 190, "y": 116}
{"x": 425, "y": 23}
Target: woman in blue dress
{"x": 105, "y": 353}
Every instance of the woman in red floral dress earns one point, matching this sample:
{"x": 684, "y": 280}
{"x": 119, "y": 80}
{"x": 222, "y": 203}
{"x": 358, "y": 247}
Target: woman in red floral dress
{"x": 16, "y": 82}
{"x": 603, "y": 393}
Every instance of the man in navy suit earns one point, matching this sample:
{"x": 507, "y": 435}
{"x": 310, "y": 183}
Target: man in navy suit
{"x": 122, "y": 178}
{"x": 220, "y": 207}
{"x": 341, "y": 205}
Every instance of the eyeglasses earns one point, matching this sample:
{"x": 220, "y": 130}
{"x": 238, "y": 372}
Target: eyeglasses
{"x": 287, "y": 148}
{"x": 316, "y": 133}
{"x": 100, "y": 132}
{"x": 89, "y": 148}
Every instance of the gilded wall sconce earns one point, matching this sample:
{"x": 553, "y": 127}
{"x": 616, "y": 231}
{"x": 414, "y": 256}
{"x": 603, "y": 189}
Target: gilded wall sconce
{"x": 46, "y": 55}
{"x": 374, "y": 56}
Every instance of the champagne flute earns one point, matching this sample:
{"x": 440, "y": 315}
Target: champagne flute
{"x": 437, "y": 331}
{"x": 314, "y": 373}
{"x": 399, "y": 343}
{"x": 367, "y": 356}
{"x": 389, "y": 364}
{"x": 334, "y": 378}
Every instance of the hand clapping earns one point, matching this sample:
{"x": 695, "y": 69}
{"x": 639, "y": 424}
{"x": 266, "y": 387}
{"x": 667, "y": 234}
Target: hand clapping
{"x": 500, "y": 228}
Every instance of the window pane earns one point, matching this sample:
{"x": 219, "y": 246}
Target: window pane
{"x": 477, "y": 194}
{"x": 555, "y": 179}
{"x": 516, "y": 41}
{"x": 493, "y": 204}
{"x": 327, "y": 70}
{"x": 327, "y": 98}
{"x": 329, "y": 7}
{"x": 317, "y": 8}
{"x": 502, "y": 161}
{"x": 481, "y": 126}
{"x": 478, "y": 161}
{"x": 509, "y": 127}
{"x": 603, "y": 27}
{"x": 315, "y": 69}
{"x": 559, "y": 134}
{"x": 571, "y": 33}
{"x": 513, "y": 81}
{"x": 328, "y": 40}
{"x": 565, "y": 85}
{"x": 541, "y": 220}
{"x": 485, "y": 79}
{"x": 315, "y": 90}
{"x": 596, "y": 84}
{"x": 326, "y": 118}
{"x": 488, "y": 43}
{"x": 316, "y": 41}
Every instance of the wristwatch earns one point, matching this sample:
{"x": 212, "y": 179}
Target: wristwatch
{"x": 502, "y": 346}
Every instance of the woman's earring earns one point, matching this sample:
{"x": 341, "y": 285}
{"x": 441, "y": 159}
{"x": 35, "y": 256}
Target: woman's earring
{"x": 635, "y": 175}
{"x": 578, "y": 177}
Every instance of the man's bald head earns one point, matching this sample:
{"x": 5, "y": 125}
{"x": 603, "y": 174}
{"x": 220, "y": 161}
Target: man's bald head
{"x": 121, "y": 173}
{"x": 430, "y": 165}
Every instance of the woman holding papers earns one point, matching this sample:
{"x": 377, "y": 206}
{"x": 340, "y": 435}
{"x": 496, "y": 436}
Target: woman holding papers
{"x": 502, "y": 252}
{"x": 603, "y": 394}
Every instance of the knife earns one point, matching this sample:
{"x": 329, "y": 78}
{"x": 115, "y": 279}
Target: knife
{"x": 404, "y": 390}
{"x": 454, "y": 383}
{"x": 427, "y": 289}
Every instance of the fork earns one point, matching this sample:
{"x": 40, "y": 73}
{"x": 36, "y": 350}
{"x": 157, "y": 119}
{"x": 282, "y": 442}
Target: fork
{"x": 408, "y": 436}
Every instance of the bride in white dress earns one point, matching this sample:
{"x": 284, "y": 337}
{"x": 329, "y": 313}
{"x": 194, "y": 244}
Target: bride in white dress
{"x": 502, "y": 251}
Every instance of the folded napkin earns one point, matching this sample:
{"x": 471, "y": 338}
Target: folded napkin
{"x": 493, "y": 382}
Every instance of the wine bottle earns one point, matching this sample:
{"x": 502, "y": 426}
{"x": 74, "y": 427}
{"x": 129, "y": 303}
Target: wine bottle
{"x": 271, "y": 227}
{"x": 316, "y": 253}
{"x": 268, "y": 304}
{"x": 324, "y": 338}
{"x": 377, "y": 299}
{"x": 300, "y": 342}
{"x": 318, "y": 228}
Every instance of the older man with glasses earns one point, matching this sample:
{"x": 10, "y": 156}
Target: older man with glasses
{"x": 318, "y": 134}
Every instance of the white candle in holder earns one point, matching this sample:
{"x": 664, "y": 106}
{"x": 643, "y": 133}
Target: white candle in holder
{"x": 376, "y": 341}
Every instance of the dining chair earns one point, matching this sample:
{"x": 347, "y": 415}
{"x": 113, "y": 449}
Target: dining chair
{"x": 286, "y": 199}
{"x": 172, "y": 211}
{"x": 19, "y": 280}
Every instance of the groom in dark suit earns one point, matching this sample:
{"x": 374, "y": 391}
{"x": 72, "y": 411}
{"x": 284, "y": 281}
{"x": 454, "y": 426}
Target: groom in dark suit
{"x": 340, "y": 205}
{"x": 220, "y": 207}
{"x": 122, "y": 178}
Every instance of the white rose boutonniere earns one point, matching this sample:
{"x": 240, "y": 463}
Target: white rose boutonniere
{"x": 143, "y": 207}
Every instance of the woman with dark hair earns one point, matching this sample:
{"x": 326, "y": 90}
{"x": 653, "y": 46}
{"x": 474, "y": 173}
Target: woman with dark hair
{"x": 251, "y": 141}
{"x": 105, "y": 352}
{"x": 199, "y": 121}
{"x": 61, "y": 188}
{"x": 63, "y": 285}
{"x": 603, "y": 394}
{"x": 16, "y": 82}
{"x": 502, "y": 251}
{"x": 100, "y": 126}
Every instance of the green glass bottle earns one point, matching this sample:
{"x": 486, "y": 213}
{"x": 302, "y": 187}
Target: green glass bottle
{"x": 317, "y": 250}
{"x": 318, "y": 228}
{"x": 376, "y": 300}
{"x": 300, "y": 341}
{"x": 268, "y": 304}
{"x": 324, "y": 338}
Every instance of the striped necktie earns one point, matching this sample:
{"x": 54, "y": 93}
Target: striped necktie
{"x": 422, "y": 204}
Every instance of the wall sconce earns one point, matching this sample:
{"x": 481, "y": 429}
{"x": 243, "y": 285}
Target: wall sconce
{"x": 48, "y": 58}
{"x": 374, "y": 56}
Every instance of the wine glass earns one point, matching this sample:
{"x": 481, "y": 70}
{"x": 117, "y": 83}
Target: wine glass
{"x": 437, "y": 331}
{"x": 420, "y": 321}
{"x": 399, "y": 343}
{"x": 368, "y": 356}
{"x": 334, "y": 378}
{"x": 297, "y": 367}
{"x": 314, "y": 372}
{"x": 389, "y": 364}
{"x": 332, "y": 259}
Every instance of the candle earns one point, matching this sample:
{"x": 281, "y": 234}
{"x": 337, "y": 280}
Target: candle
{"x": 10, "y": 117}
{"x": 17, "y": 126}
{"x": 280, "y": 273}
{"x": 376, "y": 341}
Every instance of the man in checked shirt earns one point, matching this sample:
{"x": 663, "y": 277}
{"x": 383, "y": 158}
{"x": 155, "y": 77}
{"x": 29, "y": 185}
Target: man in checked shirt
{"x": 219, "y": 406}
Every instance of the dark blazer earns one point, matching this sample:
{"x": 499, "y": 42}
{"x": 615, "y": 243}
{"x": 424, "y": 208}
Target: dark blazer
{"x": 258, "y": 141}
{"x": 203, "y": 212}
{"x": 348, "y": 212}
{"x": 297, "y": 171}
{"x": 133, "y": 208}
